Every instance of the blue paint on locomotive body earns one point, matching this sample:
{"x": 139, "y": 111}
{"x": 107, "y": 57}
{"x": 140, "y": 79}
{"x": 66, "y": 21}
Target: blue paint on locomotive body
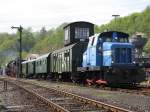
{"x": 108, "y": 49}
{"x": 91, "y": 56}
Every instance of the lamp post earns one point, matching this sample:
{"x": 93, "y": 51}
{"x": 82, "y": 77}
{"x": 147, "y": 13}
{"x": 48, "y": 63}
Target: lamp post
{"x": 20, "y": 28}
{"x": 115, "y": 16}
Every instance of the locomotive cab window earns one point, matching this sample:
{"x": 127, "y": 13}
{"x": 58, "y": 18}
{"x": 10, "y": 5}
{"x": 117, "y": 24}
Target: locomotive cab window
{"x": 123, "y": 39}
{"x": 81, "y": 33}
{"x": 119, "y": 39}
{"x": 107, "y": 39}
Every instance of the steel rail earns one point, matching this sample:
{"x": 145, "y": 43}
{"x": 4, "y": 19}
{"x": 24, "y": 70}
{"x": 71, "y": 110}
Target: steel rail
{"x": 94, "y": 102}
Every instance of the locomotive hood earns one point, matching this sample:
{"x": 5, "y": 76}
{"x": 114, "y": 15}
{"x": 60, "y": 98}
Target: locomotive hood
{"x": 119, "y": 54}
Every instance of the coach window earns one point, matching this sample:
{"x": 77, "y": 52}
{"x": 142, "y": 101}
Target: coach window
{"x": 67, "y": 34}
{"x": 54, "y": 57}
{"x": 66, "y": 54}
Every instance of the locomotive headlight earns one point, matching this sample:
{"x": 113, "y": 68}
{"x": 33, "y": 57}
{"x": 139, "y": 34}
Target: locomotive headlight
{"x": 112, "y": 61}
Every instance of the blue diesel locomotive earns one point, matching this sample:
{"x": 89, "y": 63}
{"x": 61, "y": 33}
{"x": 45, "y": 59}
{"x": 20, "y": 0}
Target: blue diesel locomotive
{"x": 109, "y": 59}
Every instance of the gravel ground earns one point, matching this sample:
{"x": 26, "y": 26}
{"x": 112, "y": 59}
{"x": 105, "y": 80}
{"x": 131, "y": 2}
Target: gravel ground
{"x": 134, "y": 102}
{"x": 16, "y": 100}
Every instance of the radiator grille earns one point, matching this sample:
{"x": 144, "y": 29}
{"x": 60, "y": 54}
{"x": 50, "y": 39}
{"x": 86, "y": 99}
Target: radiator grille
{"x": 122, "y": 55}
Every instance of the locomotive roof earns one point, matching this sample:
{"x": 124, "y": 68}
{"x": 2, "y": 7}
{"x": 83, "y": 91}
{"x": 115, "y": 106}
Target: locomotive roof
{"x": 77, "y": 23}
{"x": 110, "y": 33}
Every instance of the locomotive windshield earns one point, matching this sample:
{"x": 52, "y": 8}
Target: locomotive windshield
{"x": 114, "y": 37}
{"x": 107, "y": 39}
{"x": 122, "y": 39}
{"x": 119, "y": 39}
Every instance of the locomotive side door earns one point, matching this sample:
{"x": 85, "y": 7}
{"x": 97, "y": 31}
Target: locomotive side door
{"x": 92, "y": 50}
{"x": 88, "y": 52}
{"x": 99, "y": 52}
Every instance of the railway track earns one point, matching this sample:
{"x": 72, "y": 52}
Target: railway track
{"x": 14, "y": 99}
{"x": 62, "y": 101}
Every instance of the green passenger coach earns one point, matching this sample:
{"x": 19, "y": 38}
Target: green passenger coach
{"x": 25, "y": 68}
{"x": 42, "y": 65}
{"x": 66, "y": 60}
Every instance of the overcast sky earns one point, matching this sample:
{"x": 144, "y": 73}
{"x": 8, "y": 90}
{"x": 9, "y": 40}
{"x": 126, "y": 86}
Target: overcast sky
{"x": 51, "y": 13}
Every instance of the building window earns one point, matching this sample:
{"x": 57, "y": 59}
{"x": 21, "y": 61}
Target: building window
{"x": 82, "y": 33}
